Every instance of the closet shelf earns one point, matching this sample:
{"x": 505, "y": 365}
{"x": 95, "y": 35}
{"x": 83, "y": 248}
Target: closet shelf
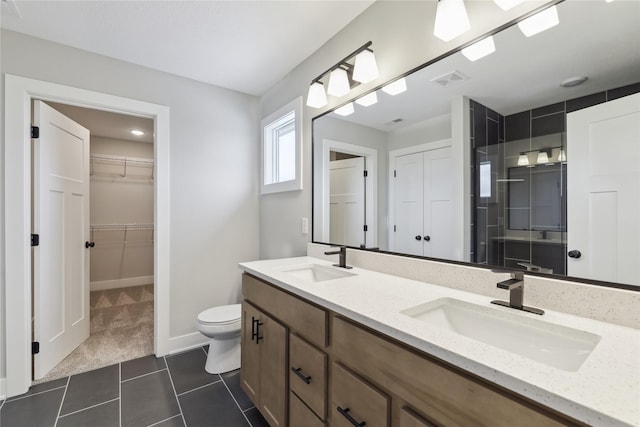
{"x": 124, "y": 228}
{"x": 122, "y": 161}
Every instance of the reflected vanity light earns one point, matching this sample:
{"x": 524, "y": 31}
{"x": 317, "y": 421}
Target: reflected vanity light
{"x": 396, "y": 87}
{"x": 365, "y": 68}
{"x": 542, "y": 158}
{"x": 345, "y": 110}
{"x": 338, "y": 82}
{"x": 523, "y": 159}
{"x": 451, "y": 20}
{"x": 316, "y": 97}
{"x": 562, "y": 155}
{"x": 507, "y": 4}
{"x": 137, "y": 132}
{"x": 539, "y": 22}
{"x": 367, "y": 100}
{"x": 479, "y": 49}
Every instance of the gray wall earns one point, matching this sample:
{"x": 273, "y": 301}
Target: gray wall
{"x": 213, "y": 160}
{"x": 401, "y": 32}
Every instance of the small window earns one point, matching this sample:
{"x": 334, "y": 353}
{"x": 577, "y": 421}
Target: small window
{"x": 282, "y": 149}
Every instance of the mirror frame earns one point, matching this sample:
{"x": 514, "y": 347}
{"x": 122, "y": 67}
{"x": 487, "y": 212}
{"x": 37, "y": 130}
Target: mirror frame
{"x": 509, "y": 24}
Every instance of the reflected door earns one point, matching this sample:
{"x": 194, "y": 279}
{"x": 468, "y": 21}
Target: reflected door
{"x": 603, "y": 147}
{"x": 347, "y": 202}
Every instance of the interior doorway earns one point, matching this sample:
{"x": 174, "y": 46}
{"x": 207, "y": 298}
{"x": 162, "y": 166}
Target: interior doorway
{"x": 19, "y": 92}
{"x": 118, "y": 245}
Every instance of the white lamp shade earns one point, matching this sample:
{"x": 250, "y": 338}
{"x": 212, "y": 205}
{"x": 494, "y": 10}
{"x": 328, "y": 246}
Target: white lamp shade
{"x": 345, "y": 110}
{"x": 451, "y": 19}
{"x": 539, "y": 22}
{"x": 523, "y": 160}
{"x": 507, "y": 4}
{"x": 396, "y": 87}
{"x": 316, "y": 98}
{"x": 338, "y": 82}
{"x": 543, "y": 157}
{"x": 479, "y": 49}
{"x": 365, "y": 68}
{"x": 368, "y": 99}
{"x": 562, "y": 155}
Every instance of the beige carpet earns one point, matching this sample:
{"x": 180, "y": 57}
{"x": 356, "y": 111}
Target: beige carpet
{"x": 121, "y": 329}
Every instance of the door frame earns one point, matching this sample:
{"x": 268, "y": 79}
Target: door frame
{"x": 19, "y": 94}
{"x": 371, "y": 186}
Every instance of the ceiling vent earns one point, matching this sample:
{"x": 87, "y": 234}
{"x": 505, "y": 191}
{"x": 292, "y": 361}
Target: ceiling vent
{"x": 11, "y": 8}
{"x": 450, "y": 79}
{"x": 394, "y": 121}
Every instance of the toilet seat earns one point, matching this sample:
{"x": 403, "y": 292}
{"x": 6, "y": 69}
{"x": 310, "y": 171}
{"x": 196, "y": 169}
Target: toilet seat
{"x": 221, "y": 315}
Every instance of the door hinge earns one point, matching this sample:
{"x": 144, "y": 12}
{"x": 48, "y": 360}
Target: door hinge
{"x": 366, "y": 228}
{"x": 394, "y": 228}
{"x": 35, "y": 239}
{"x": 366, "y": 174}
{"x": 35, "y": 347}
{"x": 394, "y": 174}
{"x": 35, "y": 132}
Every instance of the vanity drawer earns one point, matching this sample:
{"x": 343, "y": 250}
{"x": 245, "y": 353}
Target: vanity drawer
{"x": 300, "y": 415}
{"x": 306, "y": 319}
{"x": 409, "y": 418}
{"x": 355, "y": 401}
{"x": 308, "y": 374}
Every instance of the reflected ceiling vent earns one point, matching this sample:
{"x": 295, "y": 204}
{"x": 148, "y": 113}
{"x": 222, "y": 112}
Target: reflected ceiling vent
{"x": 10, "y": 7}
{"x": 450, "y": 78}
{"x": 394, "y": 121}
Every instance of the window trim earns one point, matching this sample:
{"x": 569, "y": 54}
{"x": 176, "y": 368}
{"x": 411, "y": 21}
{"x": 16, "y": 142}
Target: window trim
{"x": 266, "y": 123}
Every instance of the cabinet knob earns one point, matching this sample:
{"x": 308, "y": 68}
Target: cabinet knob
{"x": 89, "y": 244}
{"x": 427, "y": 238}
{"x": 574, "y": 254}
{"x": 418, "y": 238}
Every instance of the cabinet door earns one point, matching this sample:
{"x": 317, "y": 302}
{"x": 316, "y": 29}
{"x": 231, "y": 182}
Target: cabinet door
{"x": 355, "y": 402}
{"x": 250, "y": 352}
{"x": 273, "y": 371}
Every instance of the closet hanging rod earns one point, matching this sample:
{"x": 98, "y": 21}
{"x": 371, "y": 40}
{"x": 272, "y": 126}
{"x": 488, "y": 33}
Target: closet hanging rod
{"x": 121, "y": 227}
{"x": 120, "y": 159}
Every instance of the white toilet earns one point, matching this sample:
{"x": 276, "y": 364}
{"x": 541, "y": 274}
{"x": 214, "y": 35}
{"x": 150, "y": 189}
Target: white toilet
{"x": 222, "y": 325}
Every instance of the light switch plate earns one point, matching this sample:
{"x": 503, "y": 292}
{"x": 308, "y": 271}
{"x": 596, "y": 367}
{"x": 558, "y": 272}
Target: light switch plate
{"x": 305, "y": 226}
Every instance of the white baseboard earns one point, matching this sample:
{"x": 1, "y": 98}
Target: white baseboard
{"x": 3, "y": 388}
{"x": 121, "y": 283}
{"x": 187, "y": 342}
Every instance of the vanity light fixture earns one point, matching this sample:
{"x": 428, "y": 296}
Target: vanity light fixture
{"x": 137, "y": 132}
{"x": 365, "y": 68}
{"x": 396, "y": 87}
{"x": 507, "y": 4}
{"x": 479, "y": 49}
{"x": 316, "y": 98}
{"x": 345, "y": 110}
{"x": 368, "y": 99}
{"x": 562, "y": 155}
{"x": 543, "y": 157}
{"x": 523, "y": 159}
{"x": 338, "y": 82}
{"x": 357, "y": 67}
{"x": 539, "y": 22}
{"x": 451, "y": 19}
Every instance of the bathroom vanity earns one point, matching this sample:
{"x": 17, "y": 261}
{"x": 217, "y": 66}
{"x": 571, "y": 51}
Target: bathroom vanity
{"x": 323, "y": 346}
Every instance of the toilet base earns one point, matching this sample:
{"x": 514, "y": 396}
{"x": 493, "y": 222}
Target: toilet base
{"x": 223, "y": 355}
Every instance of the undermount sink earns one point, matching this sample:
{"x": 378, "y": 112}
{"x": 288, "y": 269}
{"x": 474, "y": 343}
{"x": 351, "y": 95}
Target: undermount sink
{"x": 554, "y": 345}
{"x": 317, "y": 273}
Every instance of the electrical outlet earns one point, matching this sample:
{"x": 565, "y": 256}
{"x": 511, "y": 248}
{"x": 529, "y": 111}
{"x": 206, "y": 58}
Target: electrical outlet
{"x": 305, "y": 226}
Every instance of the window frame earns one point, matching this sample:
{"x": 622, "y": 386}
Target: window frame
{"x": 270, "y": 125}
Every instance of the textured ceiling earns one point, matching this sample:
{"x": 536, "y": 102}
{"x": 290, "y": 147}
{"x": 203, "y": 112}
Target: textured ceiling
{"x": 241, "y": 45}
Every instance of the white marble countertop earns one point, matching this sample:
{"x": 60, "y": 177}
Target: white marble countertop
{"x": 605, "y": 391}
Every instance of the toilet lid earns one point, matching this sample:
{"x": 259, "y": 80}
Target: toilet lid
{"x": 223, "y": 314}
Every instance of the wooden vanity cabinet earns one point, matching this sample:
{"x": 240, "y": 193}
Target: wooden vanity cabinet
{"x": 264, "y": 363}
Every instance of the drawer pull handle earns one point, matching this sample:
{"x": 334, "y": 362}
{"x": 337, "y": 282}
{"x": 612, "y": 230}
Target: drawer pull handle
{"x": 255, "y": 329}
{"x": 298, "y": 372}
{"x": 345, "y": 413}
{"x": 258, "y": 336}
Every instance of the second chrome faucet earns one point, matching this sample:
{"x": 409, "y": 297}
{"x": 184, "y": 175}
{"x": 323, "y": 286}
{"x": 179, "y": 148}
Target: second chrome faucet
{"x": 515, "y": 286}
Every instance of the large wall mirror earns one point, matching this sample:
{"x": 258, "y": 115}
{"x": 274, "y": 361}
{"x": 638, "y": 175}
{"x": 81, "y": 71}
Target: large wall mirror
{"x": 512, "y": 160}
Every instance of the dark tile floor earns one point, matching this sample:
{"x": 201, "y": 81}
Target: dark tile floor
{"x": 161, "y": 392}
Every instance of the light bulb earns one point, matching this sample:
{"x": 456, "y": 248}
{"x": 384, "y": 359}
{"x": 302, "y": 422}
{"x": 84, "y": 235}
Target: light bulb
{"x": 543, "y": 157}
{"x": 345, "y": 110}
{"x": 368, "y": 100}
{"x": 316, "y": 98}
{"x": 479, "y": 49}
{"x": 451, "y": 19}
{"x": 539, "y": 22}
{"x": 338, "y": 82}
{"x": 396, "y": 87}
{"x": 137, "y": 132}
{"x": 523, "y": 160}
{"x": 365, "y": 68}
{"x": 507, "y": 4}
{"x": 562, "y": 155}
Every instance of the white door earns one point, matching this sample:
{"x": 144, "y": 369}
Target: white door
{"x": 603, "y": 186}
{"x": 61, "y": 218}
{"x": 347, "y": 201}
{"x": 409, "y": 204}
{"x": 438, "y": 233}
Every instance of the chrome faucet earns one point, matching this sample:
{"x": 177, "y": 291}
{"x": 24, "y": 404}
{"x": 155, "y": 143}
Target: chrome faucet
{"x": 342, "y": 260}
{"x": 515, "y": 286}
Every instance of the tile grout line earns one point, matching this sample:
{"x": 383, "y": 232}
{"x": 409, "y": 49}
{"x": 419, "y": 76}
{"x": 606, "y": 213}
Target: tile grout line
{"x": 234, "y": 399}
{"x": 88, "y": 407}
{"x": 62, "y": 400}
{"x": 198, "y": 388}
{"x": 120, "y": 394}
{"x": 141, "y": 376}
{"x": 174, "y": 390}
{"x": 161, "y": 421}
{"x": 31, "y": 395}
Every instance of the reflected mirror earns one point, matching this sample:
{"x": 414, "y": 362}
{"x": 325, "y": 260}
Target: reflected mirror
{"x": 526, "y": 158}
